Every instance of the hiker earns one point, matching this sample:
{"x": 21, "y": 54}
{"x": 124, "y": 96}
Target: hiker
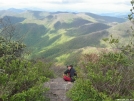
{"x": 69, "y": 74}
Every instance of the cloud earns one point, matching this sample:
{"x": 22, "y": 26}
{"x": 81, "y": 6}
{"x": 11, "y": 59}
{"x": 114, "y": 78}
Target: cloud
{"x": 64, "y": 1}
{"x": 94, "y": 1}
{"x": 71, "y": 5}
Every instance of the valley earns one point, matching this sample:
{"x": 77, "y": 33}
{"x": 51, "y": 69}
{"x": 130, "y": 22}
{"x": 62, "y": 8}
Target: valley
{"x": 61, "y": 36}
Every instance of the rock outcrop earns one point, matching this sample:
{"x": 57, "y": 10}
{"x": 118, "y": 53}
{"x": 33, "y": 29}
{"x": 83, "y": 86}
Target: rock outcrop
{"x": 58, "y": 88}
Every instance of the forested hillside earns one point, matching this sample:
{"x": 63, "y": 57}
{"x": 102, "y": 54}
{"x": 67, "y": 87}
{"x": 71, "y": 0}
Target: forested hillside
{"x": 59, "y": 35}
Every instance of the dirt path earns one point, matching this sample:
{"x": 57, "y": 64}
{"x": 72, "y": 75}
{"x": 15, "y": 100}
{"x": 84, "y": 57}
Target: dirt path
{"x": 58, "y": 88}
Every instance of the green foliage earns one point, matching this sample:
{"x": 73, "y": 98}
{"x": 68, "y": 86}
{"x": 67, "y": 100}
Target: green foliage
{"x": 10, "y": 49}
{"x": 106, "y": 78}
{"x": 20, "y": 79}
{"x": 23, "y": 78}
{"x": 83, "y": 90}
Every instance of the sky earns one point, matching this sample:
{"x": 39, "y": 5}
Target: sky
{"x": 96, "y": 6}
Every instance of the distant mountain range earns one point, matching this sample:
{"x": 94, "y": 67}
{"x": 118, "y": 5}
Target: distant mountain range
{"x": 119, "y": 15}
{"x": 112, "y": 14}
{"x": 61, "y": 36}
{"x": 16, "y": 10}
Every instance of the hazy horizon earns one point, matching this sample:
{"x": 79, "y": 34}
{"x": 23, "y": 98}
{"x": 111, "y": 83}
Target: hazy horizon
{"x": 103, "y": 6}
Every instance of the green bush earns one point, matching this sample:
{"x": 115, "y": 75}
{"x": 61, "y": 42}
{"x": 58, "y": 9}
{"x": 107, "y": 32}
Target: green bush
{"x": 83, "y": 90}
{"x": 23, "y": 81}
{"x": 20, "y": 79}
{"x": 106, "y": 78}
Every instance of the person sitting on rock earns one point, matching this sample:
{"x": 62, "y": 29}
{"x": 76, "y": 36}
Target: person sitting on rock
{"x": 69, "y": 74}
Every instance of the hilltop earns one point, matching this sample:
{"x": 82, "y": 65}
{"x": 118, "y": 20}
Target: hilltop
{"x": 59, "y": 36}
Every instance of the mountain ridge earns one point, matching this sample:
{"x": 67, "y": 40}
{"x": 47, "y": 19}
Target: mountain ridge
{"x": 51, "y": 35}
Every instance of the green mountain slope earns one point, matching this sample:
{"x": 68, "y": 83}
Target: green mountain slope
{"x": 60, "y": 35}
{"x": 105, "y": 19}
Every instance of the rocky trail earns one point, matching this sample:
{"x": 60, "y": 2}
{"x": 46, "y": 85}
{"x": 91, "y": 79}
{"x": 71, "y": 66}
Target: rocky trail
{"x": 58, "y": 88}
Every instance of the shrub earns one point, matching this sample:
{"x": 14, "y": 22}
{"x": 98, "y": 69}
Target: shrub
{"x": 83, "y": 90}
{"x": 23, "y": 81}
{"x": 108, "y": 77}
{"x": 20, "y": 79}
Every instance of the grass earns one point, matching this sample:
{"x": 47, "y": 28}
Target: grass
{"x": 61, "y": 59}
{"x": 89, "y": 18}
{"x": 74, "y": 34}
{"x": 63, "y": 38}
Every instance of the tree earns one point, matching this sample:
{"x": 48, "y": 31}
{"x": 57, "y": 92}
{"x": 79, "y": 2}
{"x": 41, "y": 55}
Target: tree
{"x": 20, "y": 79}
